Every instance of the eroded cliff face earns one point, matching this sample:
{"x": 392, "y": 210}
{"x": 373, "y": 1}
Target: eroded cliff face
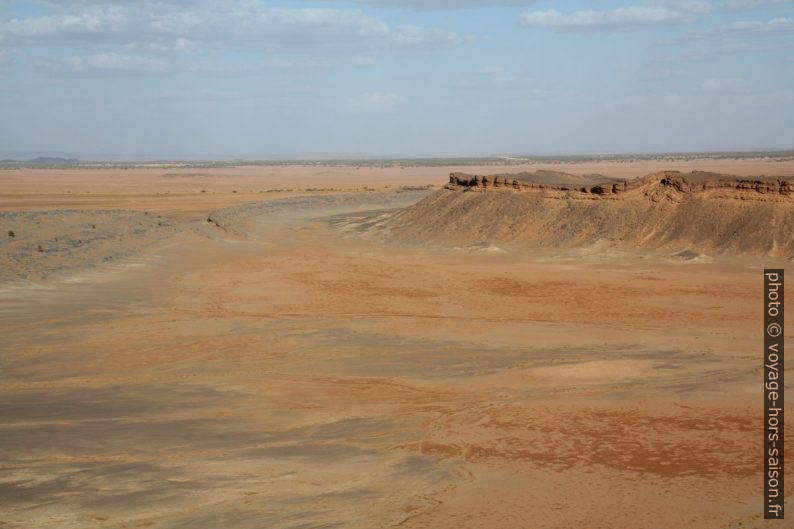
{"x": 562, "y": 185}
{"x": 669, "y": 211}
{"x": 547, "y": 181}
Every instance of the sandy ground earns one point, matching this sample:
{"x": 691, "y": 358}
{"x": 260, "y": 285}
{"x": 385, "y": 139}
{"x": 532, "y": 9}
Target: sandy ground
{"x": 272, "y": 369}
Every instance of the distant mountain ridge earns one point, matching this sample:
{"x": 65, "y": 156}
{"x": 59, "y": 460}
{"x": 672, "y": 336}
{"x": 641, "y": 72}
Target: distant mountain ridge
{"x": 42, "y": 160}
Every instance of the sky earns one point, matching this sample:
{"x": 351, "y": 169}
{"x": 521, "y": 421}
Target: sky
{"x": 326, "y": 78}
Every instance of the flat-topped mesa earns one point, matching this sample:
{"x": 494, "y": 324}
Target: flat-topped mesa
{"x": 677, "y": 213}
{"x": 554, "y": 184}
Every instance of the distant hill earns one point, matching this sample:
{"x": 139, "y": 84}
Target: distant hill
{"x": 53, "y": 160}
{"x": 22, "y": 155}
{"x": 42, "y": 160}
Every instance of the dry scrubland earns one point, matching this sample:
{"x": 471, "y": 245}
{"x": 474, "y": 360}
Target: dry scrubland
{"x": 178, "y": 354}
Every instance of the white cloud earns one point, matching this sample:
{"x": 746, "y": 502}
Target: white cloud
{"x": 714, "y": 50}
{"x": 639, "y": 16}
{"x": 741, "y": 29}
{"x": 179, "y": 45}
{"x": 376, "y": 100}
{"x": 770, "y": 27}
{"x": 108, "y": 62}
{"x": 442, "y": 5}
{"x": 593, "y": 21}
{"x": 292, "y": 38}
{"x": 92, "y": 22}
{"x": 257, "y": 65}
{"x": 364, "y": 61}
{"x": 703, "y": 7}
{"x": 417, "y": 37}
{"x": 247, "y": 22}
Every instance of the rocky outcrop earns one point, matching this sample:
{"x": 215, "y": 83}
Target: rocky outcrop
{"x": 702, "y": 181}
{"x": 656, "y": 186}
{"x": 705, "y": 213}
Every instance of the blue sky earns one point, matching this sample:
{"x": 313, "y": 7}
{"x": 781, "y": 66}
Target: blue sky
{"x": 395, "y": 77}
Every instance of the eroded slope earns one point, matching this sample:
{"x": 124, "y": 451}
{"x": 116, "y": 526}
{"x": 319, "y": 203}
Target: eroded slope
{"x": 703, "y": 212}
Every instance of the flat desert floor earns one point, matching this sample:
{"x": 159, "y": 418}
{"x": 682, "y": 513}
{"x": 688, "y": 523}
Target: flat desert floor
{"x": 191, "y": 348}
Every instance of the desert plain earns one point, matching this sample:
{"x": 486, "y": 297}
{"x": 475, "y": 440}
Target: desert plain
{"x": 247, "y": 347}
